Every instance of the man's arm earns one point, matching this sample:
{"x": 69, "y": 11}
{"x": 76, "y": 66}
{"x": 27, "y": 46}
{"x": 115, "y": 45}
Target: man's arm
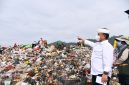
{"x": 107, "y": 62}
{"x": 86, "y": 42}
{"x": 92, "y": 44}
{"x": 107, "y": 58}
{"x": 123, "y": 57}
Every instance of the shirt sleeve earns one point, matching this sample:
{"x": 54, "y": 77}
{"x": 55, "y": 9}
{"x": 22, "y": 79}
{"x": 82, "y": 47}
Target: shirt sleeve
{"x": 89, "y": 43}
{"x": 107, "y": 58}
{"x": 123, "y": 57}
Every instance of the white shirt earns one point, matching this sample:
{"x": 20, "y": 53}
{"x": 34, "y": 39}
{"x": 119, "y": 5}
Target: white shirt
{"x": 102, "y": 57}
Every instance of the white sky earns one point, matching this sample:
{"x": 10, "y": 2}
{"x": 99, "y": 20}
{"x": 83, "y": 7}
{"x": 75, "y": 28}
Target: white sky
{"x": 24, "y": 21}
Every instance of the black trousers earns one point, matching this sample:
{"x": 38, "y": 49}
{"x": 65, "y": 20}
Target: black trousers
{"x": 94, "y": 80}
{"x": 123, "y": 79}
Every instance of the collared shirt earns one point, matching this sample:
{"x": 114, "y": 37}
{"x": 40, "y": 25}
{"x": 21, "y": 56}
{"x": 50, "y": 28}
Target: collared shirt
{"x": 102, "y": 57}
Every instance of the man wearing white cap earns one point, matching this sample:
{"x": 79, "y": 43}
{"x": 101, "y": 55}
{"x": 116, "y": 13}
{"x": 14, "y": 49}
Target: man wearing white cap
{"x": 102, "y": 58}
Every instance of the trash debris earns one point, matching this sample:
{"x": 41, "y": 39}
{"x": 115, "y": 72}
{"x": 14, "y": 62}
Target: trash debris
{"x": 43, "y": 64}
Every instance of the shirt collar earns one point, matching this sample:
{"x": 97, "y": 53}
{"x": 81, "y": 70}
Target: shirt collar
{"x": 105, "y": 41}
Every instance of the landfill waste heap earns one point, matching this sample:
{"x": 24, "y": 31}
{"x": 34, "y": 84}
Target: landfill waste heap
{"x": 42, "y": 64}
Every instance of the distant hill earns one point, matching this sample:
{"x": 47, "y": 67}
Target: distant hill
{"x": 111, "y": 40}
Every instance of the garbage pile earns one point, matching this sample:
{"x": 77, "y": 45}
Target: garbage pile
{"x": 115, "y": 79}
{"x": 43, "y": 64}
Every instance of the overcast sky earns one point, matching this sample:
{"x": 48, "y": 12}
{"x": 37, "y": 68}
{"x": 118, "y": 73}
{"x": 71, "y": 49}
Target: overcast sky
{"x": 24, "y": 21}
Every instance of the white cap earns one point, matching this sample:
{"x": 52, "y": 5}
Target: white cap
{"x": 103, "y": 30}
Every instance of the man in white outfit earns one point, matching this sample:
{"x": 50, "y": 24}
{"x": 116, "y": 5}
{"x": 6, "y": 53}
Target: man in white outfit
{"x": 102, "y": 58}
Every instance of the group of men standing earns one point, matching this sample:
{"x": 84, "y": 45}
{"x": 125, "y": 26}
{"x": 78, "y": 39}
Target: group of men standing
{"x": 103, "y": 54}
{"x": 102, "y": 59}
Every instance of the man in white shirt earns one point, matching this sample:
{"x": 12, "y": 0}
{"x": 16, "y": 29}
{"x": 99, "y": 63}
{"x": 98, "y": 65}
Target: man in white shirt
{"x": 102, "y": 57}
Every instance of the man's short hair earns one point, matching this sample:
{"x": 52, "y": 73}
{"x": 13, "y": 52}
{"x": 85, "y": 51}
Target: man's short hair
{"x": 106, "y": 35}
